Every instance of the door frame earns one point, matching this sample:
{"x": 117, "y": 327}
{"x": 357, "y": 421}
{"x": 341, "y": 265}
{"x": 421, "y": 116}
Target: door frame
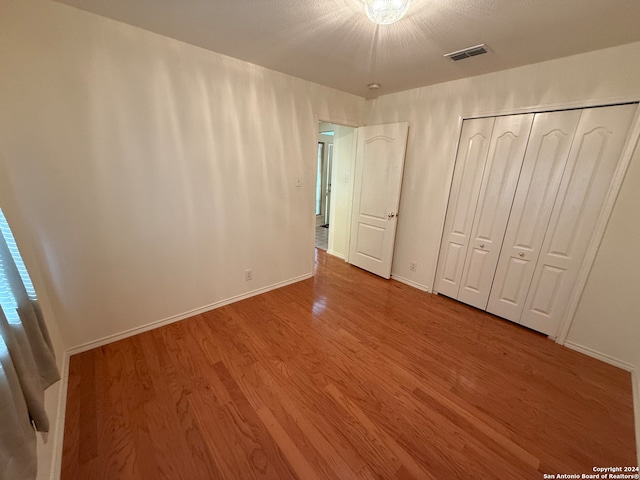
{"x": 345, "y": 122}
{"x": 632, "y": 141}
{"x": 323, "y": 148}
{"x": 328, "y": 172}
{"x": 325, "y": 186}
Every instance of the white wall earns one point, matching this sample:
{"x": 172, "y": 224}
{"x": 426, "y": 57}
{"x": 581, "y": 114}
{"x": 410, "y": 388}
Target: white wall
{"x": 344, "y": 153}
{"x": 142, "y": 175}
{"x": 150, "y": 173}
{"x": 434, "y": 114}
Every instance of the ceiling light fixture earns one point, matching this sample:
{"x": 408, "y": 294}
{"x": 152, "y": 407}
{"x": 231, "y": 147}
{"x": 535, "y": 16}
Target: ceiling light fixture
{"x": 385, "y": 12}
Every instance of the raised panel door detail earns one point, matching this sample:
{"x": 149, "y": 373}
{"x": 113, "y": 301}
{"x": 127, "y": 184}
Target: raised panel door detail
{"x": 592, "y": 162}
{"x": 581, "y": 181}
{"x": 502, "y": 169}
{"x": 465, "y": 186}
{"x": 375, "y": 176}
{"x": 544, "y": 162}
{"x": 371, "y": 241}
{"x": 453, "y": 259}
{"x": 546, "y": 289}
{"x": 498, "y": 190}
{"x": 472, "y": 163}
{"x": 541, "y": 188}
{"x": 510, "y": 289}
{"x": 476, "y": 270}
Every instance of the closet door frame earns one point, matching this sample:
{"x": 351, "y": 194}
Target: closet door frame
{"x": 633, "y": 139}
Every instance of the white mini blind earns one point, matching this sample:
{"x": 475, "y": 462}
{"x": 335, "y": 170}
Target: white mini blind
{"x": 27, "y": 363}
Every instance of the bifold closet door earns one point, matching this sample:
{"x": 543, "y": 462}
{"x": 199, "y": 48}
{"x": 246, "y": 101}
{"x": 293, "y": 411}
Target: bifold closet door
{"x": 593, "y": 159}
{"x": 467, "y": 177}
{"x": 542, "y": 169}
{"x": 506, "y": 153}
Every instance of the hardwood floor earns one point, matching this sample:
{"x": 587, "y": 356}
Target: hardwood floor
{"x": 322, "y": 238}
{"x": 343, "y": 376}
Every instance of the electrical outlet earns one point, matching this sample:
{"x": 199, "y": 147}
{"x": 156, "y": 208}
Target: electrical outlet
{"x": 413, "y": 266}
{"x": 298, "y": 181}
{"x": 248, "y": 275}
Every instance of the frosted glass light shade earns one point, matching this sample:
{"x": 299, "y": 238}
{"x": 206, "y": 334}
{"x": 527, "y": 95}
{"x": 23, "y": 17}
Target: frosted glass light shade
{"x": 384, "y": 12}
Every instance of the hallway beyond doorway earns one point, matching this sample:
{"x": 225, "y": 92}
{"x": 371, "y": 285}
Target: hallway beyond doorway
{"x": 322, "y": 237}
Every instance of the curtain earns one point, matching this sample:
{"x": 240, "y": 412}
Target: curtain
{"x": 27, "y": 364}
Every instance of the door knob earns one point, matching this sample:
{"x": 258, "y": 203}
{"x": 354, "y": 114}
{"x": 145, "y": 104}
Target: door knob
{"x": 521, "y": 254}
{"x": 482, "y": 245}
{"x": 391, "y": 215}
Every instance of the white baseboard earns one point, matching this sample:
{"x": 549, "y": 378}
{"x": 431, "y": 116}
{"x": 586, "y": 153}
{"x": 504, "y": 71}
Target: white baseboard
{"x": 176, "y": 318}
{"x": 336, "y": 254}
{"x": 411, "y": 283}
{"x": 635, "y": 379}
{"x": 56, "y": 464}
{"x": 635, "y": 382}
{"x": 600, "y": 356}
{"x": 56, "y": 467}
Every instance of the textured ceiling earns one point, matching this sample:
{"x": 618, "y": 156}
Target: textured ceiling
{"x": 333, "y": 43}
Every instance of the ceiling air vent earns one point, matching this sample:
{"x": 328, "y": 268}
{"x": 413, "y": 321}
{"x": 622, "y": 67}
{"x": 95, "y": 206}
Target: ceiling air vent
{"x": 467, "y": 52}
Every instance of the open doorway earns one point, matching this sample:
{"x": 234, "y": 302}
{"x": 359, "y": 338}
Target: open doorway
{"x": 335, "y": 161}
{"x": 324, "y": 163}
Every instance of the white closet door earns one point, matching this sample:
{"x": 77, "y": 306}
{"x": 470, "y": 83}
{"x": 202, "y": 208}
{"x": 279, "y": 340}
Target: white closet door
{"x": 467, "y": 176}
{"x": 506, "y": 152}
{"x": 544, "y": 163}
{"x": 593, "y": 159}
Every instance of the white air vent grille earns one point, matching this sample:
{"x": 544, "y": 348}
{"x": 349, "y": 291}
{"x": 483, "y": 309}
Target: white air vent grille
{"x": 467, "y": 52}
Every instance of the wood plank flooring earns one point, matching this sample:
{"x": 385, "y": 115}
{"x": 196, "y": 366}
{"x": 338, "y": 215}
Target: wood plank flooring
{"x": 343, "y": 376}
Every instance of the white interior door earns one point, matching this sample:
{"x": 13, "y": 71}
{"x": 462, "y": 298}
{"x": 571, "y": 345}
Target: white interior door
{"x": 594, "y": 156}
{"x": 506, "y": 153}
{"x": 465, "y": 187}
{"x": 376, "y": 196}
{"x": 542, "y": 169}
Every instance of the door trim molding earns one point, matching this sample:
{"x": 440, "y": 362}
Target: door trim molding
{"x": 346, "y": 122}
{"x": 551, "y": 107}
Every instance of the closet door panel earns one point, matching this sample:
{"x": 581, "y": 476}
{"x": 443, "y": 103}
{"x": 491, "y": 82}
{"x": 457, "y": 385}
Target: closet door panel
{"x": 542, "y": 169}
{"x": 470, "y": 161}
{"x": 506, "y": 153}
{"x": 593, "y": 159}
